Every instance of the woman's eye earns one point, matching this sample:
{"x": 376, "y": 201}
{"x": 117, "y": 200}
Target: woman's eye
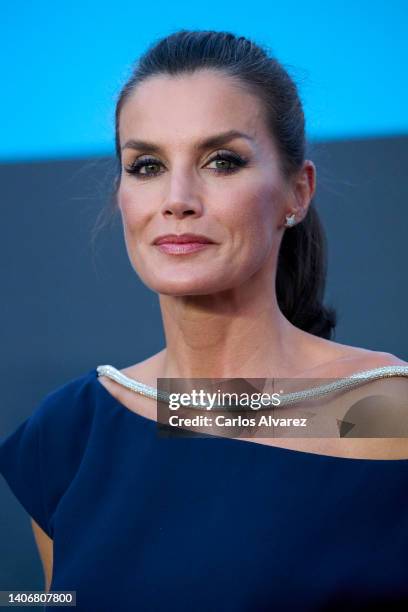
{"x": 227, "y": 162}
{"x": 223, "y": 163}
{"x": 144, "y": 167}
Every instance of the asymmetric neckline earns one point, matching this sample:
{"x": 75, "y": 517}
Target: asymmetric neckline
{"x": 156, "y": 511}
{"x": 137, "y": 417}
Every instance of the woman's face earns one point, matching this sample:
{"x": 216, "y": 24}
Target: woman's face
{"x": 173, "y": 182}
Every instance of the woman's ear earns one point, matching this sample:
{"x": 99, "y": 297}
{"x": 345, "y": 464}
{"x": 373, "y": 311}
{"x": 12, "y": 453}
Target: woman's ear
{"x": 304, "y": 188}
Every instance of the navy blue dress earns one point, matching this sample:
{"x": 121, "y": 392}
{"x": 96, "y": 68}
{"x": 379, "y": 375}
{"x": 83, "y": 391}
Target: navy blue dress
{"x": 146, "y": 523}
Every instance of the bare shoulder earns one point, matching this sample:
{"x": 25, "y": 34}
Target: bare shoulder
{"x": 378, "y": 359}
{"x": 342, "y": 359}
{"x": 379, "y": 448}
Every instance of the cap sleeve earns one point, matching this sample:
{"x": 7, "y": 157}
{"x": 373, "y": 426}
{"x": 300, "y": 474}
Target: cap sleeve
{"x": 21, "y": 466}
{"x": 40, "y": 458}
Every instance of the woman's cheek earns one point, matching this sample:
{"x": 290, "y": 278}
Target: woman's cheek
{"x": 129, "y": 207}
{"x": 124, "y": 197}
{"x": 255, "y": 210}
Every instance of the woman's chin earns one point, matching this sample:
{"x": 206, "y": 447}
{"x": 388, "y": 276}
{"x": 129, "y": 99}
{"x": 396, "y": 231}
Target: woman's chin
{"x": 185, "y": 291}
{"x": 187, "y": 287}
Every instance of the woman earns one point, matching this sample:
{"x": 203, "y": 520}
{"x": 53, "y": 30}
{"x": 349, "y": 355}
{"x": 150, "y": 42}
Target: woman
{"x": 215, "y": 198}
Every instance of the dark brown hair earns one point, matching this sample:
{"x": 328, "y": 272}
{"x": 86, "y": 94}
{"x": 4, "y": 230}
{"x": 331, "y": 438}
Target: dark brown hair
{"x": 302, "y": 261}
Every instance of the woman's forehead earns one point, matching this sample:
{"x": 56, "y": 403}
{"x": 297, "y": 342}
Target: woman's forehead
{"x": 189, "y": 107}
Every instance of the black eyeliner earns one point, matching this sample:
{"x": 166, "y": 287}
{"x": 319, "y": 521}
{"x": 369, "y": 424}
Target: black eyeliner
{"x": 239, "y": 162}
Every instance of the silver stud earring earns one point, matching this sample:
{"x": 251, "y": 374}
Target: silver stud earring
{"x": 290, "y": 220}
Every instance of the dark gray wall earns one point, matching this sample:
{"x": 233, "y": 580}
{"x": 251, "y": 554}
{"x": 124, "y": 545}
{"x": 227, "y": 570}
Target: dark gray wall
{"x": 69, "y": 305}
{"x": 363, "y": 196}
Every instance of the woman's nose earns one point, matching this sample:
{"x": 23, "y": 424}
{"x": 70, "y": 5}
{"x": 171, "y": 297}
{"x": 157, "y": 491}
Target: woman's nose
{"x": 181, "y": 209}
{"x": 182, "y": 196}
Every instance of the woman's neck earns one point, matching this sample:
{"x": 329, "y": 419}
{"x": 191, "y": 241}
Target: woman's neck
{"x": 245, "y": 340}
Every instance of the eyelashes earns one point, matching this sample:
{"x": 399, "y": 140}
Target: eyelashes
{"x": 234, "y": 161}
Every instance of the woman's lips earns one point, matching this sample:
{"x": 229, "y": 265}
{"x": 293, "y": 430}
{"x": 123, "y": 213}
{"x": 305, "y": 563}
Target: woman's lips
{"x": 182, "y": 248}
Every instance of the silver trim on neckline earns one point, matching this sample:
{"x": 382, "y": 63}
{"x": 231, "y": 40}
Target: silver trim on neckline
{"x": 286, "y": 399}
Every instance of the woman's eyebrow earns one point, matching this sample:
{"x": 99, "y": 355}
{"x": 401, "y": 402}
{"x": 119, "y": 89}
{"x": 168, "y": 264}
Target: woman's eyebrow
{"x": 213, "y": 141}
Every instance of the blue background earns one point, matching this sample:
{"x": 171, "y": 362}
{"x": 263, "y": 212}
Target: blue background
{"x": 62, "y": 65}
{"x": 73, "y": 302}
